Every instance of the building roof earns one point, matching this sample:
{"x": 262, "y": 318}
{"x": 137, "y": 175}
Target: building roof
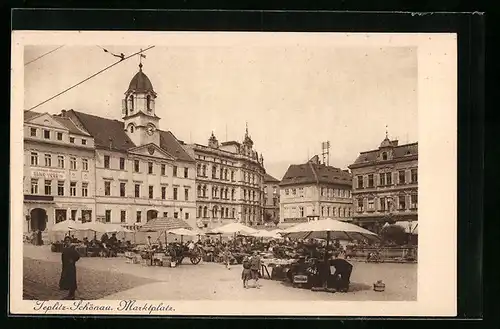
{"x": 399, "y": 152}
{"x": 270, "y": 179}
{"x": 30, "y": 114}
{"x": 231, "y": 143}
{"x": 108, "y": 132}
{"x": 140, "y": 83}
{"x": 73, "y": 129}
{"x": 314, "y": 173}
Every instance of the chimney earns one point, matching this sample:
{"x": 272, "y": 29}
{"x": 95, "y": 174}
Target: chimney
{"x": 395, "y": 142}
{"x": 63, "y": 113}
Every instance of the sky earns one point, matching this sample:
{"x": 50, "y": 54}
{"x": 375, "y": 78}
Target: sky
{"x": 293, "y": 96}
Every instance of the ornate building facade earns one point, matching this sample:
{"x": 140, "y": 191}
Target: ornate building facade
{"x": 314, "y": 190}
{"x": 126, "y": 172}
{"x": 229, "y": 180}
{"x": 271, "y": 197}
{"x": 385, "y": 185}
{"x": 59, "y": 172}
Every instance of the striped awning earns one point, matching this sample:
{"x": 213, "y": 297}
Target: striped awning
{"x": 164, "y": 224}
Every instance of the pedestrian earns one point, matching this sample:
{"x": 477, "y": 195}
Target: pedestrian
{"x": 342, "y": 275}
{"x": 255, "y": 266}
{"x": 69, "y": 258}
{"x": 246, "y": 275}
{"x": 227, "y": 256}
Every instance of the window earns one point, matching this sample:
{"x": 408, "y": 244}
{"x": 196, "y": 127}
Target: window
{"x": 360, "y": 181}
{"x": 214, "y": 172}
{"x": 232, "y": 194}
{"x": 382, "y": 204}
{"x": 72, "y": 163}
{"x": 131, "y": 127}
{"x": 122, "y": 163}
{"x": 414, "y": 176}
{"x": 106, "y": 161}
{"x": 301, "y": 209}
{"x": 60, "y": 188}
{"x": 186, "y": 172}
{"x": 107, "y": 188}
{"x": 186, "y": 194}
{"x": 221, "y": 173}
{"x": 287, "y": 191}
{"x": 232, "y": 175}
{"x": 108, "y": 216}
{"x": 402, "y": 202}
{"x": 136, "y": 165}
{"x": 85, "y": 189}
{"x": 33, "y": 132}
{"x": 137, "y": 190}
{"x": 148, "y": 102}
{"x": 414, "y": 201}
{"x": 34, "y": 186}
{"x": 360, "y": 205}
{"x": 384, "y": 156}
{"x": 72, "y": 189}
{"x": 175, "y": 193}
{"x": 123, "y": 188}
{"x": 48, "y": 187}
{"x": 388, "y": 177}
{"x": 73, "y": 214}
{"x": 123, "y": 216}
{"x": 85, "y": 164}
{"x": 402, "y": 177}
{"x": 150, "y": 168}
{"x": 186, "y": 215}
{"x": 34, "y": 159}
{"x": 48, "y": 160}
{"x": 46, "y": 134}
{"x": 60, "y": 161}
{"x": 322, "y": 191}
{"x": 370, "y": 180}
{"x": 165, "y": 214}
{"x": 176, "y": 214}
{"x": 175, "y": 171}
{"x": 59, "y": 136}
{"x": 151, "y": 188}
{"x": 84, "y": 141}
{"x": 371, "y": 206}
{"x": 163, "y": 192}
{"x": 72, "y": 140}
{"x": 294, "y": 191}
{"x": 131, "y": 103}
{"x": 382, "y": 179}
{"x": 163, "y": 169}
{"x": 138, "y": 217}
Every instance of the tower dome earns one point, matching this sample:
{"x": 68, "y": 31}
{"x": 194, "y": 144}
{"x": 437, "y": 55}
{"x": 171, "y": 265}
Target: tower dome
{"x": 140, "y": 83}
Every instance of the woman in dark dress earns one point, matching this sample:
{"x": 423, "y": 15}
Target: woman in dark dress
{"x": 69, "y": 258}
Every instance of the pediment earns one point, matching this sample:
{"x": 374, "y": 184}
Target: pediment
{"x": 46, "y": 120}
{"x": 151, "y": 150}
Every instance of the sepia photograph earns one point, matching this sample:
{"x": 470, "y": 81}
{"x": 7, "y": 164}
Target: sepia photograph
{"x": 160, "y": 169}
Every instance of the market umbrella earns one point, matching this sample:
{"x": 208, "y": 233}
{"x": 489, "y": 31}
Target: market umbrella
{"x": 67, "y": 226}
{"x": 265, "y": 234}
{"x": 164, "y": 224}
{"x": 235, "y": 229}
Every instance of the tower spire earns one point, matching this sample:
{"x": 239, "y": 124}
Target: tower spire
{"x": 386, "y": 131}
{"x": 141, "y": 56}
{"x": 246, "y": 129}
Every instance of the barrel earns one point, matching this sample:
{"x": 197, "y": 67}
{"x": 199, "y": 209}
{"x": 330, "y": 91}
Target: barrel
{"x": 379, "y": 286}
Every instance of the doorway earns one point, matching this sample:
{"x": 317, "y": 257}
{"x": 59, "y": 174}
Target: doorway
{"x": 151, "y": 214}
{"x": 38, "y": 219}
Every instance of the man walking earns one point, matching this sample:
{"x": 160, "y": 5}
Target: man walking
{"x": 68, "y": 274}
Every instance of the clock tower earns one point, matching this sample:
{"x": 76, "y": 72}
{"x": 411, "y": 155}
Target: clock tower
{"x": 138, "y": 107}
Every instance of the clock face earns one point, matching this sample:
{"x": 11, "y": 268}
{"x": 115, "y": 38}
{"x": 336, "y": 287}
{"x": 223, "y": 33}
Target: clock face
{"x": 150, "y": 130}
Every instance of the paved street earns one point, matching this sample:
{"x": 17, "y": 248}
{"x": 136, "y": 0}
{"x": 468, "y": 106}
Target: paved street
{"x": 113, "y": 278}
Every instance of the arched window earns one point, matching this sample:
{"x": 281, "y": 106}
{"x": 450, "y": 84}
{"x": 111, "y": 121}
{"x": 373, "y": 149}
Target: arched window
{"x": 204, "y": 171}
{"x": 199, "y": 190}
{"x": 200, "y": 210}
{"x": 233, "y": 213}
{"x": 204, "y": 191}
{"x": 227, "y": 212}
{"x": 198, "y": 169}
{"x": 148, "y": 102}
{"x": 214, "y": 172}
{"x": 384, "y": 155}
{"x": 214, "y": 212}
{"x": 205, "y": 212}
{"x": 232, "y": 194}
{"x": 131, "y": 103}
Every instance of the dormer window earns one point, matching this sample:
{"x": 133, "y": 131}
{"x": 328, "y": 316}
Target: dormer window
{"x": 384, "y": 156}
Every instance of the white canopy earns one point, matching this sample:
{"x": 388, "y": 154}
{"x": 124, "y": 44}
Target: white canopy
{"x": 96, "y": 227}
{"x": 337, "y": 230}
{"x": 234, "y": 228}
{"x": 183, "y": 231}
{"x": 116, "y": 228}
{"x": 265, "y": 234}
{"x": 67, "y": 225}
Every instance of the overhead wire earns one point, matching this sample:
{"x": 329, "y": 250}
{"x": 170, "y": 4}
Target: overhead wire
{"x": 90, "y": 77}
{"x": 43, "y": 55}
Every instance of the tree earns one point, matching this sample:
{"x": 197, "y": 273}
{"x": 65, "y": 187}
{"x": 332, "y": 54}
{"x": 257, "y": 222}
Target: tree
{"x": 395, "y": 234}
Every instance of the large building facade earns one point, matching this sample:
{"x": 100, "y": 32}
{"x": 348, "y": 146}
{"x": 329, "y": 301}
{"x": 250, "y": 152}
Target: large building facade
{"x": 385, "y": 185}
{"x": 314, "y": 190}
{"x": 271, "y": 197}
{"x": 229, "y": 178}
{"x": 59, "y": 172}
{"x": 136, "y": 171}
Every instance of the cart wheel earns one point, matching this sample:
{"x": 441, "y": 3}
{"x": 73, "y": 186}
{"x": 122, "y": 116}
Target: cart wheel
{"x": 195, "y": 260}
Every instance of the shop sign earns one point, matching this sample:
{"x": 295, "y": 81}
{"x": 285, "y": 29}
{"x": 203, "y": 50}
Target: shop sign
{"x": 48, "y": 174}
